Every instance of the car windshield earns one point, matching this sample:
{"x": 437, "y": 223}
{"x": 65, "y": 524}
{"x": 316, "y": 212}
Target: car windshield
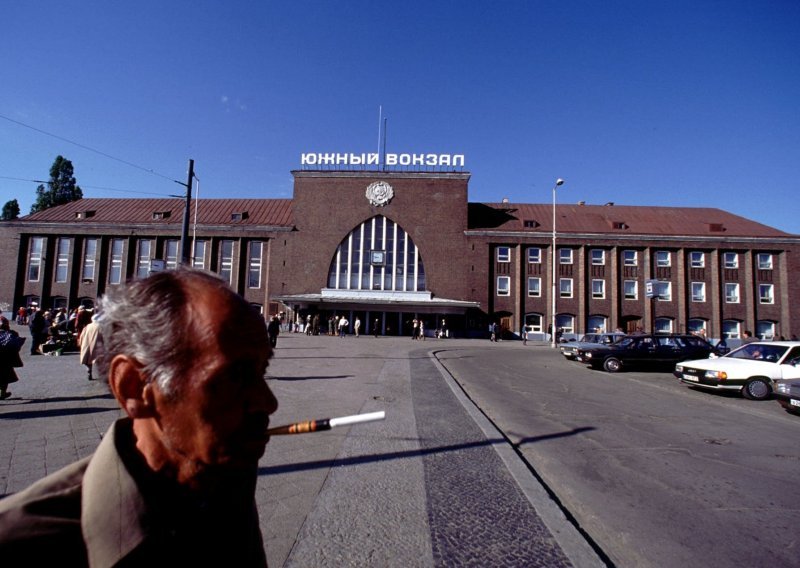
{"x": 759, "y": 352}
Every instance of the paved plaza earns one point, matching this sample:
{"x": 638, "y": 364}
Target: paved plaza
{"x": 432, "y": 485}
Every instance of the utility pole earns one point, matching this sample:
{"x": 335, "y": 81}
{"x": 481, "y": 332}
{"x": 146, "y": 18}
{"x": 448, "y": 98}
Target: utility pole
{"x": 185, "y": 254}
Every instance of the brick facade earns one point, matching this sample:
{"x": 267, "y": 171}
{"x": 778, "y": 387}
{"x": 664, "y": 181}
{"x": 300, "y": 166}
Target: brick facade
{"x": 467, "y": 249}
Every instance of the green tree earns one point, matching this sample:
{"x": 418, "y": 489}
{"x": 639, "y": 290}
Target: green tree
{"x": 62, "y": 187}
{"x": 10, "y": 210}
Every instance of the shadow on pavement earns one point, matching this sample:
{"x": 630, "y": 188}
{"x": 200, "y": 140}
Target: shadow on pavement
{"x": 309, "y": 378}
{"x": 48, "y": 413}
{"x": 356, "y": 460}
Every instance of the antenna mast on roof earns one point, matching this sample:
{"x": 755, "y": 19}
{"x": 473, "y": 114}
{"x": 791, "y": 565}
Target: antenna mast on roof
{"x": 380, "y": 120}
{"x": 383, "y": 155}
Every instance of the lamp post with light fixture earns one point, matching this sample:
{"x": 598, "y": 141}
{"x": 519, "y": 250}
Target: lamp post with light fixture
{"x": 553, "y": 328}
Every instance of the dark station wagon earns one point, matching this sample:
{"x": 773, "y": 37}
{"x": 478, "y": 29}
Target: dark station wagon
{"x": 570, "y": 349}
{"x": 645, "y": 350}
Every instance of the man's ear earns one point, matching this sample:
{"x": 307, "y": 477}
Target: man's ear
{"x": 130, "y": 387}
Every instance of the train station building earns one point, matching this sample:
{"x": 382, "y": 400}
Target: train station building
{"x": 392, "y": 245}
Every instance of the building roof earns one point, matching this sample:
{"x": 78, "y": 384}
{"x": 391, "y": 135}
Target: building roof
{"x": 483, "y": 217}
{"x": 615, "y": 219}
{"x": 252, "y": 212}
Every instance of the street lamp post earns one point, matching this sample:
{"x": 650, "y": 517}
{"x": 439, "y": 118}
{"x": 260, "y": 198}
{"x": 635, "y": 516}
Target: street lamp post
{"x": 553, "y": 328}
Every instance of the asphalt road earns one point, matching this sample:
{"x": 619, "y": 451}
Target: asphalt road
{"x": 656, "y": 473}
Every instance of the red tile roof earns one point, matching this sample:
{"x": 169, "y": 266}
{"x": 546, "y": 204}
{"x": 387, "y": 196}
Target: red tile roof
{"x": 260, "y": 212}
{"x": 616, "y": 219}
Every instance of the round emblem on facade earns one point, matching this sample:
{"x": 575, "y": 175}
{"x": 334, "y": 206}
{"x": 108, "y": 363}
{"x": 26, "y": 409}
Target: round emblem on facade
{"x": 379, "y": 193}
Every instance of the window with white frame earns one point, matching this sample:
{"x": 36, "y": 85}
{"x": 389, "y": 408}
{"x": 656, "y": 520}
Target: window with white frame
{"x": 143, "y": 259}
{"x": 534, "y": 255}
{"x": 533, "y": 323}
{"x": 597, "y": 324}
{"x": 35, "y": 258}
{"x": 630, "y": 258}
{"x": 730, "y": 260}
{"x": 731, "y": 329}
{"x": 630, "y": 289}
{"x": 565, "y": 287}
{"x": 598, "y": 289}
{"x": 664, "y": 291}
{"x": 566, "y": 323}
{"x": 503, "y": 254}
{"x": 765, "y": 330}
{"x": 534, "y": 287}
{"x": 199, "y": 254}
{"x": 171, "y": 254}
{"x": 663, "y": 325}
{"x": 663, "y": 258}
{"x": 565, "y": 255}
{"x": 598, "y": 257}
{"x": 62, "y": 259}
{"x": 503, "y": 285}
{"x": 731, "y": 292}
{"x": 89, "y": 259}
{"x": 697, "y": 259}
{"x": 696, "y": 326}
{"x": 766, "y": 294}
{"x": 402, "y": 269}
{"x": 226, "y": 260}
{"x": 764, "y": 261}
{"x": 698, "y": 291}
{"x": 115, "y": 264}
{"x": 254, "y": 262}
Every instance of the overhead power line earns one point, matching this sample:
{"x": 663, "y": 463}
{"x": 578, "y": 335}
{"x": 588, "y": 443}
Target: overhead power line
{"x": 96, "y": 187}
{"x": 109, "y": 156}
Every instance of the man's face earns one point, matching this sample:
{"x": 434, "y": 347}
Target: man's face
{"x": 216, "y": 420}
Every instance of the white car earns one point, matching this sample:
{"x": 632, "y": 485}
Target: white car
{"x": 753, "y": 369}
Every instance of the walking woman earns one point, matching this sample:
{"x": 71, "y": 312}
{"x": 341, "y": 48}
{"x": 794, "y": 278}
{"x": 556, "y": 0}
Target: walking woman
{"x": 10, "y": 344}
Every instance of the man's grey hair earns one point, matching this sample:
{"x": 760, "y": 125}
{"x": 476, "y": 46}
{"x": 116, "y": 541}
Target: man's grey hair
{"x": 150, "y": 321}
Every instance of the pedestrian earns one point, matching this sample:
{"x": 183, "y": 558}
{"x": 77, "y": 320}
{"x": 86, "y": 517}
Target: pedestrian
{"x": 10, "y": 344}
{"x": 414, "y": 327}
{"x": 357, "y": 325}
{"x": 172, "y": 483}
{"x": 273, "y": 330}
{"x": 91, "y": 345}
{"x": 524, "y": 335}
{"x": 376, "y": 326}
{"x": 421, "y": 330}
{"x": 343, "y": 323}
{"x": 38, "y": 329}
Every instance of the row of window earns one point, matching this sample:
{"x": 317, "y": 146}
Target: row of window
{"x": 731, "y": 329}
{"x": 144, "y": 259}
{"x": 663, "y": 290}
{"x": 663, "y": 258}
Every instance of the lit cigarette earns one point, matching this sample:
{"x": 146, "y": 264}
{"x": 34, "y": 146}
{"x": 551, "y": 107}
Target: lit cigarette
{"x": 325, "y": 423}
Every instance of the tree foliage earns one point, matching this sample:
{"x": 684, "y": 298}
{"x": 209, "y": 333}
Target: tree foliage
{"x": 62, "y": 187}
{"x": 10, "y": 210}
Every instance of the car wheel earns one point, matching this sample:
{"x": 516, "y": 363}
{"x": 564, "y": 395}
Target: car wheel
{"x": 612, "y": 365}
{"x": 757, "y": 389}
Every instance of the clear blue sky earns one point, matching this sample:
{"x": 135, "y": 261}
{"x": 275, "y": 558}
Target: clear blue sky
{"x": 692, "y": 103}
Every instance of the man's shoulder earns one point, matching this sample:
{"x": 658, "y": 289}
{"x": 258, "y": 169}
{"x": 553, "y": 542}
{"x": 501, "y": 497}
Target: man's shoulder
{"x": 45, "y": 514}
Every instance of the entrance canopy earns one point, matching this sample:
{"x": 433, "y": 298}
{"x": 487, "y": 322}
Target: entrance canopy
{"x": 377, "y": 300}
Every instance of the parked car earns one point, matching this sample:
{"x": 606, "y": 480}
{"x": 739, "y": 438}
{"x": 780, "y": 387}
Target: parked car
{"x": 753, "y": 369}
{"x": 787, "y": 393}
{"x": 570, "y": 349}
{"x": 645, "y": 350}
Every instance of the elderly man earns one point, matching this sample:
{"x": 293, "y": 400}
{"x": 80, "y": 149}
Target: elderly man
{"x": 173, "y": 483}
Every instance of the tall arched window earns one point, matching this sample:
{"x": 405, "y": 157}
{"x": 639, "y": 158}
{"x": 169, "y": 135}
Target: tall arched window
{"x": 377, "y": 255}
